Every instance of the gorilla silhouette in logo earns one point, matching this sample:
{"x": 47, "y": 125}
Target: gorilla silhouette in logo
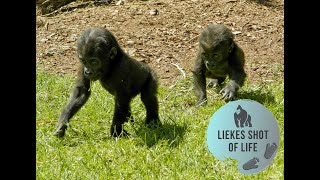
{"x": 243, "y": 118}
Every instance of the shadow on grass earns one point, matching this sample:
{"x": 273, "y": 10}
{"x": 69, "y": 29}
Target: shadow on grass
{"x": 169, "y": 133}
{"x": 256, "y": 95}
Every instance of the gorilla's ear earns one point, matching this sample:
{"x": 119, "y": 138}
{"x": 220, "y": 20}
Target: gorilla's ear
{"x": 113, "y": 52}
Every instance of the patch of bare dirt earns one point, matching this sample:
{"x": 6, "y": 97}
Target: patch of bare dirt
{"x": 165, "y": 34}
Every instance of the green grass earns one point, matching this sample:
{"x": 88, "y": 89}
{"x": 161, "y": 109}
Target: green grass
{"x": 178, "y": 150}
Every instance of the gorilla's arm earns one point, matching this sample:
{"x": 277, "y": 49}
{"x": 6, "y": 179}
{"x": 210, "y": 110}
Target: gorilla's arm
{"x": 78, "y": 98}
{"x": 199, "y": 81}
{"x": 236, "y": 73}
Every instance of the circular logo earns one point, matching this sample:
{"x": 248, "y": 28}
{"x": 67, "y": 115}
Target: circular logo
{"x": 246, "y": 131}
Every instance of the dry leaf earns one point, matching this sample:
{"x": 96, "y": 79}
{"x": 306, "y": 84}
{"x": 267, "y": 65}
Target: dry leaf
{"x": 236, "y": 32}
{"x": 120, "y": 2}
{"x": 154, "y": 12}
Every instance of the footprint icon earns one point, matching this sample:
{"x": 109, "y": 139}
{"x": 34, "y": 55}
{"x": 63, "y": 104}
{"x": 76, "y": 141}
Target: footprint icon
{"x": 251, "y": 164}
{"x": 270, "y": 149}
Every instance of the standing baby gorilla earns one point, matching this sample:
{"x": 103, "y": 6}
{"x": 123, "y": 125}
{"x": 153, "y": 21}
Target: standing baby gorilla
{"x": 218, "y": 57}
{"x": 102, "y": 59}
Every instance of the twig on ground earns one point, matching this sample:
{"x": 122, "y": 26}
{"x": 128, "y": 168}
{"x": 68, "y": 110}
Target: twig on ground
{"x": 180, "y": 69}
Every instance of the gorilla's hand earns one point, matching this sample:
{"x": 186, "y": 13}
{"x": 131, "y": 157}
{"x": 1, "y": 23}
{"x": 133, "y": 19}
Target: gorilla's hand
{"x": 229, "y": 91}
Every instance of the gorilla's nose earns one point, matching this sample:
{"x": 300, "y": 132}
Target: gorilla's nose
{"x": 210, "y": 64}
{"x": 88, "y": 73}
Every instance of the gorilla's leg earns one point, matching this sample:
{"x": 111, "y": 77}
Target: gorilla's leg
{"x": 121, "y": 112}
{"x": 150, "y": 101}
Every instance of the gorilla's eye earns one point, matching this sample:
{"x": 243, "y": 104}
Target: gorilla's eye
{"x": 94, "y": 61}
{"x": 204, "y": 55}
{"x": 216, "y": 56}
{"x": 83, "y": 61}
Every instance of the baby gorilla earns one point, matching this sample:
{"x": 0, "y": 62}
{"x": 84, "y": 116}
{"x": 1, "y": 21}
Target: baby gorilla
{"x": 103, "y": 59}
{"x": 218, "y": 57}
